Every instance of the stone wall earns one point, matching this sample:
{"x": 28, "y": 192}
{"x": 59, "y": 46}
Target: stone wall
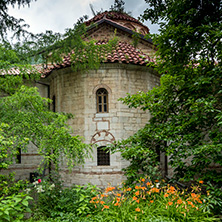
{"x": 76, "y": 93}
{"x": 106, "y": 32}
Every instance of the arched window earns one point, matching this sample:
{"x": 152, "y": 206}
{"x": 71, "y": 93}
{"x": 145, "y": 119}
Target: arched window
{"x": 102, "y": 100}
{"x": 103, "y": 156}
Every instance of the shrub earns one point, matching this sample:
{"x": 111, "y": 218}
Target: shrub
{"x": 8, "y": 185}
{"x": 13, "y": 208}
{"x": 53, "y": 201}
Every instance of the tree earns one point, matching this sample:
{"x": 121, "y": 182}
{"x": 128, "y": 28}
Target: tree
{"x": 118, "y": 6}
{"x": 8, "y": 22}
{"x": 24, "y": 114}
{"x": 186, "y": 108}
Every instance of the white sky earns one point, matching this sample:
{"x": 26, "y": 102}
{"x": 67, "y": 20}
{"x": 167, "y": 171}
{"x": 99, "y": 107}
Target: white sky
{"x": 57, "y": 15}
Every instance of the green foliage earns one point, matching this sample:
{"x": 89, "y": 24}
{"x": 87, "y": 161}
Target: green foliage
{"x": 10, "y": 23}
{"x": 151, "y": 201}
{"x": 141, "y": 150}
{"x": 53, "y": 201}
{"x": 8, "y": 185}
{"x": 25, "y": 118}
{"x": 118, "y": 6}
{"x": 28, "y": 119}
{"x": 13, "y": 208}
{"x": 146, "y": 201}
{"x": 213, "y": 199}
{"x": 186, "y": 108}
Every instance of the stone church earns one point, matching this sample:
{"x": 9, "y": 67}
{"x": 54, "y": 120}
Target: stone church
{"x": 92, "y": 97}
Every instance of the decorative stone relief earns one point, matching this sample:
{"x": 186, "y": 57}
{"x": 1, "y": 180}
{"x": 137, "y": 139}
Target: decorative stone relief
{"x": 102, "y": 138}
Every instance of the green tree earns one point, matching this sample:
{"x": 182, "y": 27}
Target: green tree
{"x": 10, "y": 23}
{"x": 25, "y": 117}
{"x": 118, "y": 6}
{"x": 186, "y": 108}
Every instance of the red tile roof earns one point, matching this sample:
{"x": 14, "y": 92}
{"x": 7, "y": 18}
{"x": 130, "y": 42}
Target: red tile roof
{"x": 124, "y": 53}
{"x": 37, "y": 68}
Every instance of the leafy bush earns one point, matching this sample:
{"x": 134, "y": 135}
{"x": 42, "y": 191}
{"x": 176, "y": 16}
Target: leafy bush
{"x": 146, "y": 201}
{"x": 53, "y": 201}
{"x": 8, "y": 185}
{"x": 13, "y": 208}
{"x": 214, "y": 198}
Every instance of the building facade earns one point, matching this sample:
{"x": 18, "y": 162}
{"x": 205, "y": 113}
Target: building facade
{"x": 92, "y": 97}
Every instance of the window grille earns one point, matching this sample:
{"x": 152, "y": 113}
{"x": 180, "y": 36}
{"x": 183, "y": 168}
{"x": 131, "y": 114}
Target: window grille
{"x": 103, "y": 156}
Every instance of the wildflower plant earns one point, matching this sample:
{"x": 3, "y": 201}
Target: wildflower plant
{"x": 151, "y": 199}
{"x": 52, "y": 200}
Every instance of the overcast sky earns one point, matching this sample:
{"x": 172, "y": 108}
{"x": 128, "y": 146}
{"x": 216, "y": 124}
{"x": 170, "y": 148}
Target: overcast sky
{"x": 57, "y": 15}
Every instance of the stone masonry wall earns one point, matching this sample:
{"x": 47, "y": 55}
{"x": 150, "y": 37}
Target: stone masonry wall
{"x": 106, "y": 32}
{"x": 76, "y": 93}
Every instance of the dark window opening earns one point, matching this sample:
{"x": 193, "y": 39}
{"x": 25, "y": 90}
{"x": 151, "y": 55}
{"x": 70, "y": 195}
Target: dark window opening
{"x": 102, "y": 100}
{"x": 53, "y": 104}
{"x": 103, "y": 156}
{"x": 19, "y": 156}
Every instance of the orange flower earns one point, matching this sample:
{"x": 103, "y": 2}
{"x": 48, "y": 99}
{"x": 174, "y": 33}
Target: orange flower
{"x": 97, "y": 201}
{"x": 102, "y": 202}
{"x": 179, "y": 201}
{"x": 193, "y": 195}
{"x": 118, "y": 194}
{"x": 118, "y": 199}
{"x": 134, "y": 198}
{"x": 137, "y": 201}
{"x": 103, "y": 195}
{"x": 137, "y": 188}
{"x": 151, "y": 201}
{"x": 94, "y": 198}
{"x": 129, "y": 189}
{"x": 156, "y": 181}
{"x": 142, "y": 179}
{"x": 106, "y": 207}
{"x": 201, "y": 181}
{"x": 143, "y": 188}
{"x": 116, "y": 204}
{"x": 170, "y": 203}
{"x": 166, "y": 195}
{"x": 137, "y": 193}
{"x": 137, "y": 209}
{"x": 189, "y": 202}
{"x": 108, "y": 189}
{"x": 155, "y": 190}
{"x": 171, "y": 190}
{"x": 148, "y": 183}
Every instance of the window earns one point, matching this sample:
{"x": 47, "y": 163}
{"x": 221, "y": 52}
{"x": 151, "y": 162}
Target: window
{"x": 103, "y": 156}
{"x": 53, "y": 104}
{"x": 102, "y": 100}
{"x": 19, "y": 156}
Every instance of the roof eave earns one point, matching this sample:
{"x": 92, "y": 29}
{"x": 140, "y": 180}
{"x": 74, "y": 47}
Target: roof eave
{"x": 115, "y": 25}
